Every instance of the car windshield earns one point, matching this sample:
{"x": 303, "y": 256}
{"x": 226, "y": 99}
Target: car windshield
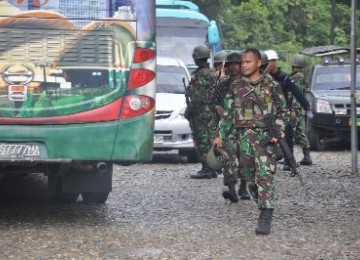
{"x": 334, "y": 78}
{"x": 170, "y": 79}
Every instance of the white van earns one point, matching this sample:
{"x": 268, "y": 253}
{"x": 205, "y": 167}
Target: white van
{"x": 172, "y": 130}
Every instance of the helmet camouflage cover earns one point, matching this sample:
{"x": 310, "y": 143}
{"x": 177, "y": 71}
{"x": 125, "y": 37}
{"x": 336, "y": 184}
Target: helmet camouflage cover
{"x": 201, "y": 52}
{"x": 298, "y": 60}
{"x": 264, "y": 59}
{"x": 213, "y": 159}
{"x": 220, "y": 56}
{"x": 234, "y": 56}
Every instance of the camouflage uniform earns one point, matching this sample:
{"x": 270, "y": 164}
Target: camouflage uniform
{"x": 217, "y": 95}
{"x": 299, "y": 122}
{"x": 242, "y": 123}
{"x": 199, "y": 111}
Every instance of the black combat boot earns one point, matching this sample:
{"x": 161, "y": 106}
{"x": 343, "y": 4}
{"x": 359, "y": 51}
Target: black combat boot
{"x": 286, "y": 166}
{"x": 214, "y": 173}
{"x": 243, "y": 193}
{"x": 307, "y": 159}
{"x": 231, "y": 194}
{"x": 264, "y": 222}
{"x": 204, "y": 173}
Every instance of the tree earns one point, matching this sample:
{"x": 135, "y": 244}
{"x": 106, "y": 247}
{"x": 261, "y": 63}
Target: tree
{"x": 288, "y": 25}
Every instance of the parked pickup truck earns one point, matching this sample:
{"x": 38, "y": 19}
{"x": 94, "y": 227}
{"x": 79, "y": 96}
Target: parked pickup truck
{"x": 329, "y": 90}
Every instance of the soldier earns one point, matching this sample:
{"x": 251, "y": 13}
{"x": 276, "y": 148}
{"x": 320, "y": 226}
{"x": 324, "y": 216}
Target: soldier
{"x": 198, "y": 110}
{"x": 297, "y": 112}
{"x": 219, "y": 62}
{"x": 251, "y": 97}
{"x": 288, "y": 87}
{"x": 219, "y": 66}
{"x": 231, "y": 157}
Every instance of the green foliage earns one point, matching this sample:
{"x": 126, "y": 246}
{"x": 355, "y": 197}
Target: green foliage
{"x": 285, "y": 25}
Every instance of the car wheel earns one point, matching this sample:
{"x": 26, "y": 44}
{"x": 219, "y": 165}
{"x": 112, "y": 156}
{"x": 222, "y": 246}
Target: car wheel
{"x": 315, "y": 138}
{"x": 191, "y": 156}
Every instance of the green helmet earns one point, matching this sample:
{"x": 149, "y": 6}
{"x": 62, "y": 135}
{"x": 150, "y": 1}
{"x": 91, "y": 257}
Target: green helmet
{"x": 220, "y": 56}
{"x": 234, "y": 56}
{"x": 264, "y": 59}
{"x": 298, "y": 61}
{"x": 201, "y": 52}
{"x": 213, "y": 159}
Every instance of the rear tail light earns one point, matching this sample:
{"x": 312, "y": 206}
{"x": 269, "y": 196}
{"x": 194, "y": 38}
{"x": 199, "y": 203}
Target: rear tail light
{"x": 142, "y": 55}
{"x": 137, "y": 105}
{"x": 140, "y": 77}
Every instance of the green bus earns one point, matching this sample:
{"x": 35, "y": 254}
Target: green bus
{"x": 77, "y": 92}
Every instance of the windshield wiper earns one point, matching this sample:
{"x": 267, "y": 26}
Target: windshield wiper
{"x": 340, "y": 88}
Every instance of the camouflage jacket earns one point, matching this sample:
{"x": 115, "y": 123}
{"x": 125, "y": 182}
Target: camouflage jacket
{"x": 222, "y": 88}
{"x": 200, "y": 102}
{"x": 247, "y": 102}
{"x": 298, "y": 79}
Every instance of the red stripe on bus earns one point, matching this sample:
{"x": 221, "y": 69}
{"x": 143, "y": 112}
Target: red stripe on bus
{"x": 109, "y": 112}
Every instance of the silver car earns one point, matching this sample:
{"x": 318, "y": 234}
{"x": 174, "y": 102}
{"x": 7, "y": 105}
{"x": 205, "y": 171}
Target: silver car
{"x": 172, "y": 130}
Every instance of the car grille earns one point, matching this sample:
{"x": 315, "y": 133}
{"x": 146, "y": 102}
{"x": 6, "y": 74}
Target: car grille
{"x": 163, "y": 114}
{"x": 167, "y": 135}
{"x": 348, "y": 108}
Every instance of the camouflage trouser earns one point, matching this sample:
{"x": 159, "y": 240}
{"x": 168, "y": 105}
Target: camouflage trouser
{"x": 300, "y": 135}
{"x": 202, "y": 138}
{"x": 257, "y": 165}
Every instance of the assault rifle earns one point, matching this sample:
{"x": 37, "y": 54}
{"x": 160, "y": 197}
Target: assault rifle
{"x": 213, "y": 89}
{"x": 269, "y": 120}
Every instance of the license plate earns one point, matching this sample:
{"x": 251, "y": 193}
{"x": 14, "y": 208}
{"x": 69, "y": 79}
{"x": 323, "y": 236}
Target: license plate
{"x": 158, "y": 139}
{"x": 19, "y": 150}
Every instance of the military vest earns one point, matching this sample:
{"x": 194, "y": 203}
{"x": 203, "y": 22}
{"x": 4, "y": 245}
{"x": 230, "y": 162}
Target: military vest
{"x": 251, "y": 101}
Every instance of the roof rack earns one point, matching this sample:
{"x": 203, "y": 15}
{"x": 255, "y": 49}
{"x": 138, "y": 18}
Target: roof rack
{"x": 326, "y": 50}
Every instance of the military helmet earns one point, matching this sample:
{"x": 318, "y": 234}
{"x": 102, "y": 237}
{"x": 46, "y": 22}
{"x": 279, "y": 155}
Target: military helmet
{"x": 234, "y": 56}
{"x": 220, "y": 56}
{"x": 201, "y": 52}
{"x": 298, "y": 61}
{"x": 264, "y": 59}
{"x": 213, "y": 159}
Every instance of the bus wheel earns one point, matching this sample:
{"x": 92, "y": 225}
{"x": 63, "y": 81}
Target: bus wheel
{"x": 55, "y": 184}
{"x": 95, "y": 197}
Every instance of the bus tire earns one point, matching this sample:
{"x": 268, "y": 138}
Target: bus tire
{"x": 95, "y": 197}
{"x": 57, "y": 195}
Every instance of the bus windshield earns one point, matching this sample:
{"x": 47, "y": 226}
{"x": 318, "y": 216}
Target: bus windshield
{"x": 182, "y": 43}
{"x": 180, "y": 27}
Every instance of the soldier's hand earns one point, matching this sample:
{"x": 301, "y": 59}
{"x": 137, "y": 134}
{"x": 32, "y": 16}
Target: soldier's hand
{"x": 275, "y": 140}
{"x": 309, "y": 114}
{"x": 217, "y": 142}
{"x": 219, "y": 110}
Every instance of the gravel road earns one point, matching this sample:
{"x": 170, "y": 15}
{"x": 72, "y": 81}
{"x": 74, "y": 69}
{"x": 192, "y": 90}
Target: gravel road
{"x": 156, "y": 211}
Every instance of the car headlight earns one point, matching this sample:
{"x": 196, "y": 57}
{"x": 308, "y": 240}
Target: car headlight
{"x": 323, "y": 106}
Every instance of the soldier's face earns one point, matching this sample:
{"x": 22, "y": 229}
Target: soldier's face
{"x": 218, "y": 66}
{"x": 234, "y": 69}
{"x": 250, "y": 64}
{"x": 272, "y": 66}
